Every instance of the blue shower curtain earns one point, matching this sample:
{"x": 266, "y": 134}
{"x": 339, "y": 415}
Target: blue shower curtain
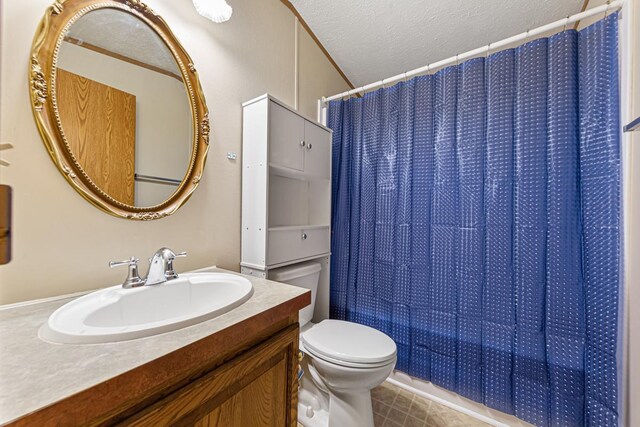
{"x": 476, "y": 220}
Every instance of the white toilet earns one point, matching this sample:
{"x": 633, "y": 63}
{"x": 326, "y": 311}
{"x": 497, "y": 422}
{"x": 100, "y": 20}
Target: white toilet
{"x": 343, "y": 360}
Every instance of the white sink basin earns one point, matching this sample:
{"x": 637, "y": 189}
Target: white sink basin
{"x": 118, "y": 314}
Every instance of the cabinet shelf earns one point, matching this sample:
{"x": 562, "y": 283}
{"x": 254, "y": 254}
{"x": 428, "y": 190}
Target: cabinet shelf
{"x": 298, "y": 227}
{"x": 286, "y": 172}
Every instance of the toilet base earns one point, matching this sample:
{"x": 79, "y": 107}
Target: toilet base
{"x": 345, "y": 410}
{"x": 319, "y": 407}
{"x": 351, "y": 409}
{"x": 318, "y": 418}
{"x": 313, "y": 403}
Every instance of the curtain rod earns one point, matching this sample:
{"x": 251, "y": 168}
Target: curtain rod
{"x": 605, "y": 8}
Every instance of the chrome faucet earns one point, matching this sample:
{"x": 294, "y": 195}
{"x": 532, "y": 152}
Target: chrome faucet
{"x": 161, "y": 266}
{"x": 160, "y": 269}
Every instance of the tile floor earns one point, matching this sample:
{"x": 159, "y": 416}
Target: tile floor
{"x": 396, "y": 407}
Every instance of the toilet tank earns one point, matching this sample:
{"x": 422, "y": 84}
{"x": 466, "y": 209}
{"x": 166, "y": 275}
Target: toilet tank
{"x": 304, "y": 275}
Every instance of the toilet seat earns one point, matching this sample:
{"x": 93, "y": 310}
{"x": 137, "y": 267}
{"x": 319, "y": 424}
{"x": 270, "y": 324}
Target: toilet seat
{"x": 349, "y": 344}
{"x": 345, "y": 363}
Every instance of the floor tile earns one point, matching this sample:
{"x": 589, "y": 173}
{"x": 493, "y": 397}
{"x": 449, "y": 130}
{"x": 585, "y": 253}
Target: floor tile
{"x": 396, "y": 407}
{"x": 396, "y": 415}
{"x": 402, "y": 402}
{"x": 384, "y": 393}
{"x": 390, "y": 423}
{"x": 419, "y": 409}
{"x": 443, "y": 420}
{"x": 380, "y": 408}
{"x": 414, "y": 422}
{"x": 378, "y": 420}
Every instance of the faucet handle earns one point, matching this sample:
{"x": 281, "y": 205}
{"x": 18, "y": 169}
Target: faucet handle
{"x": 170, "y": 273}
{"x": 130, "y": 261}
{"x": 133, "y": 278}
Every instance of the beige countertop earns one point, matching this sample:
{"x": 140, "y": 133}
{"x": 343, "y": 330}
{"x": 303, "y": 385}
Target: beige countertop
{"x": 35, "y": 374}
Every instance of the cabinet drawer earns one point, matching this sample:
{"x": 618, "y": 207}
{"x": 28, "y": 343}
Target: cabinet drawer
{"x": 290, "y": 243}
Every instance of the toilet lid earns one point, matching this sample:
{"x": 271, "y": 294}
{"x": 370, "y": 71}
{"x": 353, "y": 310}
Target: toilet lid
{"x": 349, "y": 342}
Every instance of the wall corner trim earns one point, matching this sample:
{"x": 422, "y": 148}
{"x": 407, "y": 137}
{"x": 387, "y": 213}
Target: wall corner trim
{"x": 304, "y": 24}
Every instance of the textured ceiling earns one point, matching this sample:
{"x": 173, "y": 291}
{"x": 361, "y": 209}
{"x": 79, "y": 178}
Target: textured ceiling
{"x": 122, "y": 33}
{"x": 374, "y": 39}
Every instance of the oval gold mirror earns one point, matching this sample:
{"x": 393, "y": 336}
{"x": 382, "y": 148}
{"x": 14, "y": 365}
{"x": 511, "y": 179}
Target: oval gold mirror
{"x": 119, "y": 106}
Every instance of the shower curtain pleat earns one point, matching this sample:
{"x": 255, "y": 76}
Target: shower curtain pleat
{"x": 443, "y": 296}
{"x": 470, "y": 147}
{"x": 340, "y": 117}
{"x": 365, "y": 304}
{"x": 530, "y": 379}
{"x": 498, "y": 317}
{"x": 476, "y": 220}
{"x": 401, "y": 281}
{"x": 565, "y": 327}
{"x": 600, "y": 189}
{"x": 420, "y": 262}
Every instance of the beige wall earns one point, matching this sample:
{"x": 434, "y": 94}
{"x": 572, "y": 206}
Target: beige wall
{"x": 62, "y": 244}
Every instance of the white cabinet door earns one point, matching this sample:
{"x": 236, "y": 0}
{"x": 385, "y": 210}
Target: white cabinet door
{"x": 286, "y": 134}
{"x": 318, "y": 151}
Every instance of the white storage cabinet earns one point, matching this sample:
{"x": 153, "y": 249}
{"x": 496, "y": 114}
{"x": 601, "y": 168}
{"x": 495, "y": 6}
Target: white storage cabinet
{"x": 286, "y": 189}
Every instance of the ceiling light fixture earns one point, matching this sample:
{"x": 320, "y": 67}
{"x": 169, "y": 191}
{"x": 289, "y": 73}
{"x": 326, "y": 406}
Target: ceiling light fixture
{"x": 216, "y": 10}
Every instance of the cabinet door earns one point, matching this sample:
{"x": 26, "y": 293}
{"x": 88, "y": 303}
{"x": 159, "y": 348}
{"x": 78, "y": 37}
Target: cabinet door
{"x": 261, "y": 403}
{"x": 318, "y": 151}
{"x": 257, "y": 388}
{"x": 286, "y": 133}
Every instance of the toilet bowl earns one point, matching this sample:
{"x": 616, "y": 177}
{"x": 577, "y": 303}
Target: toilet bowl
{"x": 343, "y": 361}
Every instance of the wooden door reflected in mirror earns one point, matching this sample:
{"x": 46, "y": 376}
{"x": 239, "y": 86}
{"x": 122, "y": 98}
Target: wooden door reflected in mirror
{"x": 100, "y": 126}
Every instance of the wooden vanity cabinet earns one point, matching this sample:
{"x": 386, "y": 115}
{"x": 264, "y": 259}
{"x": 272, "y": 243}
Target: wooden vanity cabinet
{"x": 244, "y": 376}
{"x": 257, "y": 388}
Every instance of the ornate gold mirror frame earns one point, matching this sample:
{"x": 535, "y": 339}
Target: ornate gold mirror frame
{"x": 42, "y": 79}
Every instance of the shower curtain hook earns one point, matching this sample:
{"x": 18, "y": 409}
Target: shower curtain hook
{"x": 607, "y": 9}
{"x": 526, "y": 37}
{"x": 566, "y": 22}
{"x": 405, "y": 76}
{"x": 488, "y": 50}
